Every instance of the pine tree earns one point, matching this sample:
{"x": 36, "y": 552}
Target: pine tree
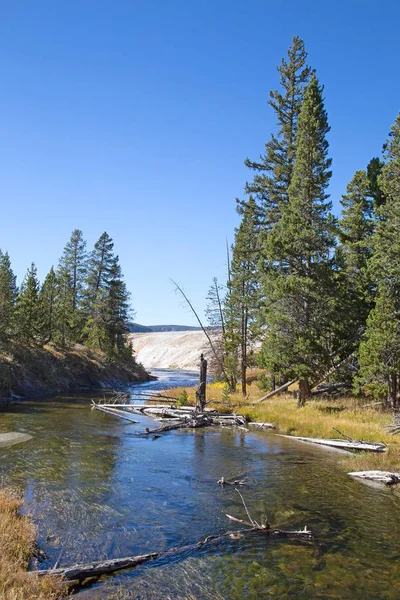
{"x": 74, "y": 262}
{"x": 47, "y": 307}
{"x": 379, "y": 369}
{"x": 300, "y": 288}
{"x": 64, "y": 316}
{"x": 355, "y": 234}
{"x": 374, "y": 170}
{"x": 8, "y": 295}
{"x": 275, "y": 168}
{"x": 106, "y": 300}
{"x": 72, "y": 268}
{"x": 379, "y": 354}
{"x": 27, "y": 312}
{"x": 117, "y": 312}
{"x": 242, "y": 327}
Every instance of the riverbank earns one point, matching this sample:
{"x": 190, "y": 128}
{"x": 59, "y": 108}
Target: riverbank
{"x": 34, "y": 372}
{"x": 318, "y": 419}
{"x": 18, "y": 543}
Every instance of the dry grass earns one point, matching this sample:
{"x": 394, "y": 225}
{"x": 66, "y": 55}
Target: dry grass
{"x": 17, "y": 543}
{"x": 317, "y": 418}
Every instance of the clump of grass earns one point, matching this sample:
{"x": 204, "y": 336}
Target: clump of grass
{"x": 18, "y": 535}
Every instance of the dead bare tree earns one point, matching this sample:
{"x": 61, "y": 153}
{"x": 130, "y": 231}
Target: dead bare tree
{"x": 212, "y": 346}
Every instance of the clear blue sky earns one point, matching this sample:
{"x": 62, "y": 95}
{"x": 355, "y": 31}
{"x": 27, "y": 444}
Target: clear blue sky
{"x": 135, "y": 118}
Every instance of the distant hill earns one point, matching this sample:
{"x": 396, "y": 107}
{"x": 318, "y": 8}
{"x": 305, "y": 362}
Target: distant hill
{"x": 137, "y": 328}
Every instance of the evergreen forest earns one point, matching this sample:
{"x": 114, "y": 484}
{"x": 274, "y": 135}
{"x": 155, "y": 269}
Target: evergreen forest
{"x": 84, "y": 300}
{"x": 320, "y": 293}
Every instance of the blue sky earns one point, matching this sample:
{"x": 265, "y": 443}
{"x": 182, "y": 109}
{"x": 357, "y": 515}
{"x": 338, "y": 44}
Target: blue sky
{"x": 135, "y": 118}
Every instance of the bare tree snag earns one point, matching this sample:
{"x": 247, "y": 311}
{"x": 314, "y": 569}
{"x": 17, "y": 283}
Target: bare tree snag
{"x": 204, "y": 331}
{"x": 202, "y": 388}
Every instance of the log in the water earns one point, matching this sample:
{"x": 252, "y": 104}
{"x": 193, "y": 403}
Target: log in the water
{"x": 342, "y": 444}
{"x": 95, "y": 569}
{"x": 386, "y": 477}
{"x": 114, "y": 411}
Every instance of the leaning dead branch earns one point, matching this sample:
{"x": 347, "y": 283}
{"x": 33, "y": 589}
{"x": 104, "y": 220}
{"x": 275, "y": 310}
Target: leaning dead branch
{"x": 214, "y": 351}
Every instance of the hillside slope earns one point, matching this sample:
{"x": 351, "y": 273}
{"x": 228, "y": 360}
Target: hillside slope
{"x": 28, "y": 372}
{"x": 170, "y": 350}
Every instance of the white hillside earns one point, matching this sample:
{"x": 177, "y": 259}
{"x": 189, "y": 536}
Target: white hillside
{"x": 170, "y": 349}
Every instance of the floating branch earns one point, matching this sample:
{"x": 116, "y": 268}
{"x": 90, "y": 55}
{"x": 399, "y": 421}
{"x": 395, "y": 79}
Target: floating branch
{"x": 223, "y": 481}
{"x": 114, "y": 411}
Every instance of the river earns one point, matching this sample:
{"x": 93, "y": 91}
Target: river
{"x": 96, "y": 490}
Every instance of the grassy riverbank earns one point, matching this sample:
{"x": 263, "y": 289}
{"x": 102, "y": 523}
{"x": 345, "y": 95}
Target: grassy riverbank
{"x": 317, "y": 418}
{"x": 17, "y": 545}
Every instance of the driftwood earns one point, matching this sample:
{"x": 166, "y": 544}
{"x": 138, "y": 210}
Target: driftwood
{"x": 223, "y": 481}
{"x": 114, "y": 411}
{"x": 95, "y": 569}
{"x": 341, "y": 444}
{"x": 261, "y": 425}
{"x": 279, "y": 389}
{"x": 380, "y": 476}
{"x": 106, "y": 567}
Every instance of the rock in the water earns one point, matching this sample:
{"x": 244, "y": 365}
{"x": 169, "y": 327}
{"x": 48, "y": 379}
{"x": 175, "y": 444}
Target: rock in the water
{"x": 13, "y": 437}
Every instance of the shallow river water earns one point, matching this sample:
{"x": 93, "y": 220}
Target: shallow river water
{"x": 96, "y": 490}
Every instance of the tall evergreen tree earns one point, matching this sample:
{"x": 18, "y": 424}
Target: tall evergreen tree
{"x": 74, "y": 262}
{"x": 47, "y": 307}
{"x": 72, "y": 268}
{"x": 275, "y": 168}
{"x": 374, "y": 170}
{"x": 242, "y": 326}
{"x": 100, "y": 267}
{"x": 65, "y": 318}
{"x": 27, "y": 312}
{"x": 117, "y": 311}
{"x": 300, "y": 288}
{"x": 8, "y": 295}
{"x": 355, "y": 234}
{"x": 379, "y": 370}
{"x": 106, "y": 299}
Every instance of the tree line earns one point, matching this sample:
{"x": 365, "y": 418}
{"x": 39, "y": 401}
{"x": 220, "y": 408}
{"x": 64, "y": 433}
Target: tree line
{"x": 321, "y": 293}
{"x": 84, "y": 300}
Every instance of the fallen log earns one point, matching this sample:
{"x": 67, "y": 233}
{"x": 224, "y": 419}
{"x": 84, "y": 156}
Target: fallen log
{"x": 342, "y": 444}
{"x": 261, "y": 425}
{"x": 385, "y": 477}
{"x": 114, "y": 411}
{"x": 279, "y": 389}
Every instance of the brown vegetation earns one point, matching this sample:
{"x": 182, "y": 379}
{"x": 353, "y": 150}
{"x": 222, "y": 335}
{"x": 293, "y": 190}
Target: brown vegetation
{"x": 18, "y": 535}
{"x": 30, "y": 371}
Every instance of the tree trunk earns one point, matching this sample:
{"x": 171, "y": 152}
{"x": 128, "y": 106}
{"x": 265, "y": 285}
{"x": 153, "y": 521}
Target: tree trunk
{"x": 273, "y": 383}
{"x": 304, "y": 392}
{"x": 393, "y": 389}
